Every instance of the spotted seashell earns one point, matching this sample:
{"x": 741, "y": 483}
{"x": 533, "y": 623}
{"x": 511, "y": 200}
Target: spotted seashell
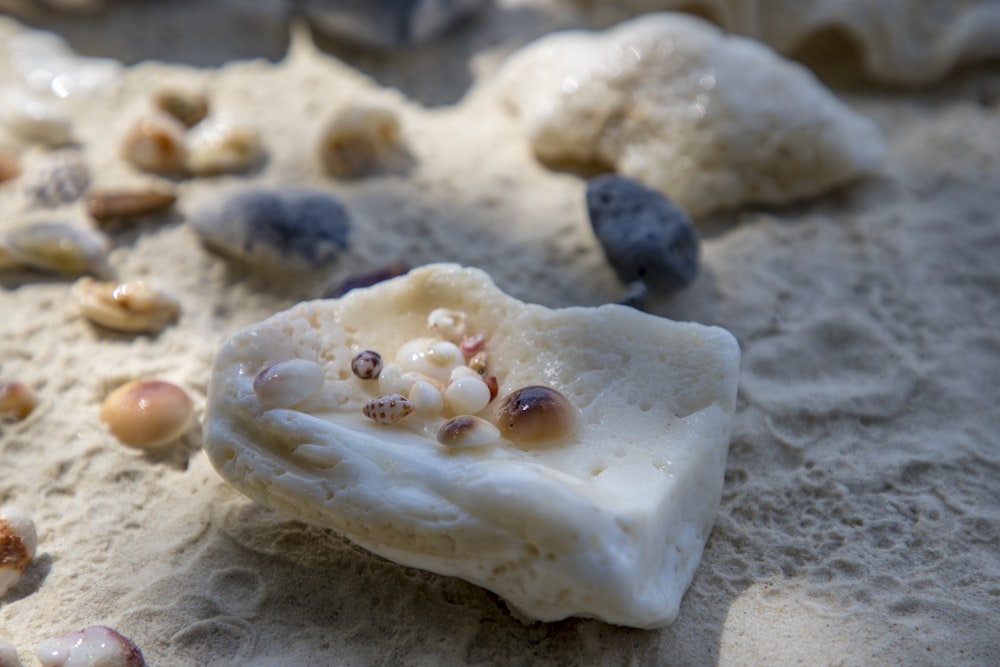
{"x": 358, "y": 140}
{"x": 96, "y": 646}
{"x": 57, "y": 178}
{"x": 535, "y": 415}
{"x": 388, "y": 409}
{"x": 367, "y": 364}
{"x": 35, "y": 118}
{"x": 287, "y": 383}
{"x": 104, "y": 205}
{"x": 223, "y": 146}
{"x": 132, "y": 307}
{"x": 56, "y": 247}
{"x": 187, "y": 106}
{"x": 448, "y": 323}
{"x": 157, "y": 143}
{"x": 283, "y": 230}
{"x": 467, "y": 431}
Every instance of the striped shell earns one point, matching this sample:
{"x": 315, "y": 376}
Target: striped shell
{"x": 388, "y": 409}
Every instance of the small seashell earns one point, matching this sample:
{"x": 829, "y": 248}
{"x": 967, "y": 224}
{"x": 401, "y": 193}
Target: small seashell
{"x": 104, "y": 205}
{"x": 18, "y": 541}
{"x": 366, "y": 279}
{"x": 462, "y": 372}
{"x": 147, "y": 413}
{"x": 427, "y": 400}
{"x": 467, "y": 431}
{"x": 35, "y": 118}
{"x": 57, "y": 247}
{"x": 17, "y": 401}
{"x": 429, "y": 356}
{"x": 131, "y": 306}
{"x": 57, "y": 178}
{"x": 367, "y": 364}
{"x": 96, "y": 646}
{"x": 156, "y": 142}
{"x": 10, "y": 167}
{"x": 222, "y": 146}
{"x": 448, "y": 324}
{"x": 388, "y": 409}
{"x": 535, "y": 415}
{"x": 493, "y": 385}
{"x": 297, "y": 230}
{"x": 287, "y": 383}
{"x": 478, "y": 363}
{"x": 187, "y": 106}
{"x": 8, "y": 655}
{"x": 470, "y": 345}
{"x": 467, "y": 395}
{"x": 358, "y": 140}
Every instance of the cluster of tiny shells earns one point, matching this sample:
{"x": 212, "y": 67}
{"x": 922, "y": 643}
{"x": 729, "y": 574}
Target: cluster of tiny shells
{"x": 450, "y": 372}
{"x": 147, "y": 413}
{"x": 179, "y": 138}
{"x": 17, "y": 401}
{"x": 18, "y": 542}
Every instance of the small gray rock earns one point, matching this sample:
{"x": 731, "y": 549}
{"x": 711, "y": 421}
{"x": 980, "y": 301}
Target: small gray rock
{"x": 648, "y": 240}
{"x": 296, "y": 230}
{"x": 388, "y": 23}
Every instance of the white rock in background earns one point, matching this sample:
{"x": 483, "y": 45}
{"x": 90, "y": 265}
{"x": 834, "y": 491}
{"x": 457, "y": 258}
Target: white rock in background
{"x": 46, "y": 63}
{"x": 713, "y": 121}
{"x": 605, "y": 519}
{"x": 901, "y": 41}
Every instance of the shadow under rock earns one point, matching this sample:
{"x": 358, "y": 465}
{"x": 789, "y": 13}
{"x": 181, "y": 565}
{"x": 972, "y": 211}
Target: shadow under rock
{"x": 179, "y": 31}
{"x": 32, "y": 579}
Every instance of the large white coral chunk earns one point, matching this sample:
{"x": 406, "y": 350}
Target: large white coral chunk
{"x": 713, "y": 121}
{"x": 609, "y": 522}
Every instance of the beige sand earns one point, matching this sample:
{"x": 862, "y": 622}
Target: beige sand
{"x": 861, "y": 514}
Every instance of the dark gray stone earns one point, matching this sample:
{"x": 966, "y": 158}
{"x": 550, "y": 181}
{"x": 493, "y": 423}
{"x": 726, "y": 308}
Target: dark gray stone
{"x": 647, "y": 239}
{"x": 291, "y": 230}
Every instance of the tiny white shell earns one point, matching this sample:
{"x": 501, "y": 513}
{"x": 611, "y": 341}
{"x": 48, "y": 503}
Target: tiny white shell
{"x": 135, "y": 306}
{"x": 388, "y": 409}
{"x": 430, "y": 356}
{"x": 35, "y": 118}
{"x": 289, "y": 382}
{"x": 8, "y": 655}
{"x": 448, "y": 323}
{"x": 18, "y": 542}
{"x": 156, "y": 142}
{"x": 467, "y": 431}
{"x": 221, "y": 146}
{"x": 57, "y": 178}
{"x": 57, "y": 247}
{"x": 467, "y": 395}
{"x": 462, "y": 372}
{"x": 358, "y": 140}
{"x": 427, "y": 400}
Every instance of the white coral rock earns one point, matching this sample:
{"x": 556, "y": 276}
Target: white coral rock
{"x": 713, "y": 121}
{"x": 608, "y": 522}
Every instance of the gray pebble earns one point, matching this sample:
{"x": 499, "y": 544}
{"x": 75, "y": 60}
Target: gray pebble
{"x": 297, "y": 230}
{"x": 388, "y": 23}
{"x": 648, "y": 240}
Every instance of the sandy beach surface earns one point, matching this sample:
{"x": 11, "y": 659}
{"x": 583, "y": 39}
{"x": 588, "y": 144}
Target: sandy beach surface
{"x": 860, "y": 518}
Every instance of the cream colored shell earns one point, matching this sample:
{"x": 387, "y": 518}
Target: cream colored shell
{"x": 607, "y": 523}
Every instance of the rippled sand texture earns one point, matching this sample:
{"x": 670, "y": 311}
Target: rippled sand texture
{"x": 860, "y": 516}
